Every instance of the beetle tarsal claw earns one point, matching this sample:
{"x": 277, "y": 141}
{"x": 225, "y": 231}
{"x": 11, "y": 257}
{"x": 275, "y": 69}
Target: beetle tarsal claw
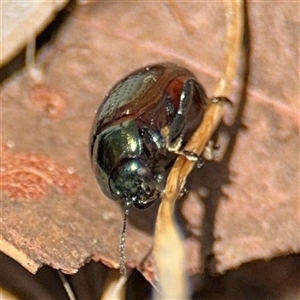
{"x": 209, "y": 150}
{"x": 190, "y": 155}
{"x": 200, "y": 162}
{"x": 224, "y": 100}
{"x": 174, "y": 146}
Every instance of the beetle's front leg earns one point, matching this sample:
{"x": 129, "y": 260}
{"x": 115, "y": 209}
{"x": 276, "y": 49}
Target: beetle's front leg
{"x": 176, "y": 148}
{"x": 178, "y": 124}
{"x": 174, "y": 132}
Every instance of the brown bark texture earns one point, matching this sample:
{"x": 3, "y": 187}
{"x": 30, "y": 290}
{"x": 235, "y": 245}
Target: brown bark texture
{"x": 52, "y": 210}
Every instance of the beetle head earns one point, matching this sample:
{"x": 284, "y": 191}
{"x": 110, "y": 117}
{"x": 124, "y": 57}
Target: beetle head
{"x": 133, "y": 182}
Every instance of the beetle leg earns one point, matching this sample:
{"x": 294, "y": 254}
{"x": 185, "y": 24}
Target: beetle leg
{"x": 175, "y": 146}
{"x": 188, "y": 154}
{"x": 151, "y": 140}
{"x": 183, "y": 193}
{"x": 176, "y": 128}
{"x": 175, "y": 131}
{"x": 220, "y": 99}
{"x": 200, "y": 162}
{"x": 208, "y": 152}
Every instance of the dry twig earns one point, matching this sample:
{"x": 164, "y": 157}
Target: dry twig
{"x": 168, "y": 246}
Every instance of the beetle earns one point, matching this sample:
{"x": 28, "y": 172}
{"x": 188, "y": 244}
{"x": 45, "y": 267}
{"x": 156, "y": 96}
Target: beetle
{"x": 139, "y": 130}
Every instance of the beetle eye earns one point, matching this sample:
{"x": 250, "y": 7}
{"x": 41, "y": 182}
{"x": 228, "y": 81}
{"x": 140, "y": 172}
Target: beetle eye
{"x": 133, "y": 182}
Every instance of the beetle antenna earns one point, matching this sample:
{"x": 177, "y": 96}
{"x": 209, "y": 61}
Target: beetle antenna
{"x": 122, "y": 241}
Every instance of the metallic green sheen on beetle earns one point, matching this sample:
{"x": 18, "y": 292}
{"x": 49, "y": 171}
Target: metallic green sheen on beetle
{"x": 139, "y": 130}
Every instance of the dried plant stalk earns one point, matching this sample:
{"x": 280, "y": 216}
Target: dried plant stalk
{"x": 168, "y": 246}
{"x": 114, "y": 286}
{"x": 5, "y": 294}
{"x": 234, "y": 39}
{"x": 66, "y": 285}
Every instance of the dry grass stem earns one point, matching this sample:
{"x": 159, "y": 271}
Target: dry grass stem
{"x": 234, "y": 39}
{"x": 168, "y": 245}
{"x": 66, "y": 285}
{"x": 114, "y": 286}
